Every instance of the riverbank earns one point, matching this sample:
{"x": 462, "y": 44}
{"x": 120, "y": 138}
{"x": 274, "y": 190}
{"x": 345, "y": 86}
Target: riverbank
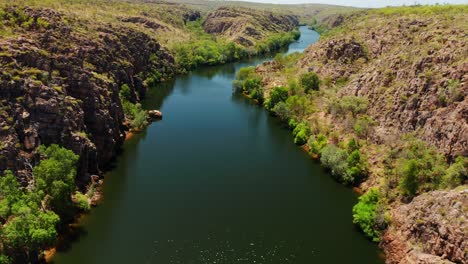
{"x": 335, "y": 99}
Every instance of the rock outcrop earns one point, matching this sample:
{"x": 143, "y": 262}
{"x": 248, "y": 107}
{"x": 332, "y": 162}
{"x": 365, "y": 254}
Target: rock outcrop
{"x": 246, "y": 26}
{"x": 430, "y": 229}
{"x": 60, "y": 85}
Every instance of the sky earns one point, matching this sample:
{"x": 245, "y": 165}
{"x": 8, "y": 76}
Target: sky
{"x": 363, "y": 3}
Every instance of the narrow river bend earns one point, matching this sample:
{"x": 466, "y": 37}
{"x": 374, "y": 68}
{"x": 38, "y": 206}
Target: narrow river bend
{"x": 218, "y": 180}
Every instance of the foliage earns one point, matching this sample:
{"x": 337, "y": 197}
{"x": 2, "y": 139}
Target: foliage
{"x": 136, "y": 114}
{"x": 456, "y": 174}
{"x": 277, "y": 94}
{"x": 348, "y": 104}
{"x": 348, "y": 168}
{"x": 310, "y": 81}
{"x": 30, "y": 215}
{"x": 301, "y": 133}
{"x": 369, "y": 214}
{"x": 4, "y": 259}
{"x": 125, "y": 93}
{"x": 335, "y": 159}
{"x": 299, "y": 106}
{"x": 317, "y": 144}
{"x": 409, "y": 180}
{"x": 55, "y": 176}
{"x": 364, "y": 126}
{"x": 282, "y": 111}
{"x": 82, "y": 202}
{"x": 276, "y": 41}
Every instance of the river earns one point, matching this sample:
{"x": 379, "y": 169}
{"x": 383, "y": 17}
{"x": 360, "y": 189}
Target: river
{"x": 218, "y": 180}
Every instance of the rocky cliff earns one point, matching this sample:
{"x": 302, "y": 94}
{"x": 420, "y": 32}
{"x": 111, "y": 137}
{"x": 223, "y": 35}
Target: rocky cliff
{"x": 246, "y": 26}
{"x": 391, "y": 73}
{"x": 60, "y": 84}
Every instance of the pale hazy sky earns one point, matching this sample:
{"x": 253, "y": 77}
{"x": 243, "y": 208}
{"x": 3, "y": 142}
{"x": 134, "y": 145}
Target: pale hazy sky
{"x": 362, "y": 3}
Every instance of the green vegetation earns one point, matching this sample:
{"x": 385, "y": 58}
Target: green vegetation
{"x": 369, "y": 214}
{"x": 137, "y": 116}
{"x": 29, "y": 216}
{"x": 310, "y": 81}
{"x": 82, "y": 202}
{"x": 301, "y": 133}
{"x": 317, "y": 143}
{"x": 348, "y": 167}
{"x": 278, "y": 94}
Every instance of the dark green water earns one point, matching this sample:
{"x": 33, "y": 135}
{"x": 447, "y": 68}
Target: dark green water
{"x": 218, "y": 181}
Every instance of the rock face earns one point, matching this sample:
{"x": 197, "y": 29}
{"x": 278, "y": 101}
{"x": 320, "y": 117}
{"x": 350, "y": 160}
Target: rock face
{"x": 246, "y": 26}
{"x": 60, "y": 85}
{"x": 413, "y": 71}
{"x": 430, "y": 229}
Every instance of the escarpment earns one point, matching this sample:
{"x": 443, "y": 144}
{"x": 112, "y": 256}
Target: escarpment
{"x": 246, "y": 26}
{"x": 60, "y": 84}
{"x": 390, "y": 78}
{"x": 412, "y": 70}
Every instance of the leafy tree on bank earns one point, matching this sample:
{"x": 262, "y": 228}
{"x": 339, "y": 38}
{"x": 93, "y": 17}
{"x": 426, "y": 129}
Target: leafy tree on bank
{"x": 310, "y": 81}
{"x": 369, "y": 214}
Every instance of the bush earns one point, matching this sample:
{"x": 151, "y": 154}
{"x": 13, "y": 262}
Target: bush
{"x": 369, "y": 214}
{"x": 4, "y": 259}
{"x": 357, "y": 168}
{"x": 456, "y": 174}
{"x": 282, "y": 111}
{"x": 348, "y": 104}
{"x": 82, "y": 202}
{"x": 409, "y": 181}
{"x": 137, "y": 116}
{"x": 301, "y": 133}
{"x": 310, "y": 81}
{"x": 278, "y": 94}
{"x": 335, "y": 159}
{"x": 125, "y": 93}
{"x": 299, "y": 106}
{"x": 317, "y": 144}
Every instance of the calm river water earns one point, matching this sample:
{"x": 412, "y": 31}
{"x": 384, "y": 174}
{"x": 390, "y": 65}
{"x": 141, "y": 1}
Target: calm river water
{"x": 218, "y": 180}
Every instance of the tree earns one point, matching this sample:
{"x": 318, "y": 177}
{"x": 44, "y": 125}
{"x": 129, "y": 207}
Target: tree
{"x": 456, "y": 174}
{"x": 9, "y": 194}
{"x": 409, "y": 182}
{"x": 282, "y": 111}
{"x": 364, "y": 126}
{"x": 301, "y": 133}
{"x": 335, "y": 159}
{"x": 278, "y": 94}
{"x": 317, "y": 144}
{"x": 310, "y": 81}
{"x": 299, "y": 106}
{"x": 55, "y": 176}
{"x": 369, "y": 214}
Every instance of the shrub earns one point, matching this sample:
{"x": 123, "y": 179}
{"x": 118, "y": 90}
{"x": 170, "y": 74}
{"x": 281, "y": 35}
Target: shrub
{"x": 357, "y": 168}
{"x": 348, "y": 104}
{"x": 278, "y": 94}
{"x": 409, "y": 181}
{"x": 363, "y": 126}
{"x": 137, "y": 116}
{"x": 456, "y": 174}
{"x": 125, "y": 93}
{"x": 282, "y": 111}
{"x": 335, "y": 159}
{"x": 317, "y": 144}
{"x": 369, "y": 214}
{"x": 310, "y": 81}
{"x": 4, "y": 259}
{"x": 82, "y": 202}
{"x": 298, "y": 106}
{"x": 301, "y": 133}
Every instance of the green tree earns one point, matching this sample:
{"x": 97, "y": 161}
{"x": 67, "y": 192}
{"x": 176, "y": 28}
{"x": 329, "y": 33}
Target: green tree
{"x": 299, "y": 106}
{"x": 335, "y": 159}
{"x": 55, "y": 176}
{"x": 364, "y": 126}
{"x": 369, "y": 214}
{"x": 317, "y": 144}
{"x": 409, "y": 181}
{"x": 310, "y": 81}
{"x": 301, "y": 133}
{"x": 282, "y": 111}
{"x": 456, "y": 174}
{"x": 277, "y": 94}
{"x": 125, "y": 93}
